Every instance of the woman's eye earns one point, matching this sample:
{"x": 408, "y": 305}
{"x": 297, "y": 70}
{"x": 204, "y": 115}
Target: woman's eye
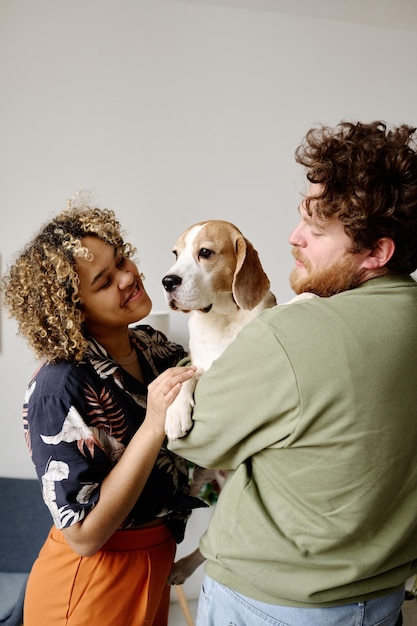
{"x": 105, "y": 284}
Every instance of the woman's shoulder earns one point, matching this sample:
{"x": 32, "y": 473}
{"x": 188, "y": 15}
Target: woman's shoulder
{"x": 54, "y": 378}
{"x": 147, "y": 335}
{"x": 156, "y": 344}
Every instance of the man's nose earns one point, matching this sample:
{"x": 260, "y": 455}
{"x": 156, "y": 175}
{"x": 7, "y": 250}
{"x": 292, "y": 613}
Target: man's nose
{"x": 296, "y": 236}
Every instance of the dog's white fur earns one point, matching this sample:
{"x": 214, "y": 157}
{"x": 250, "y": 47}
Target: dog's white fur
{"x": 217, "y": 278}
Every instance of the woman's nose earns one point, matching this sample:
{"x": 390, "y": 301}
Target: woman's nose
{"x": 125, "y": 280}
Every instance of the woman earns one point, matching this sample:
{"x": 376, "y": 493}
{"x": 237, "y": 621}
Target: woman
{"x": 94, "y": 419}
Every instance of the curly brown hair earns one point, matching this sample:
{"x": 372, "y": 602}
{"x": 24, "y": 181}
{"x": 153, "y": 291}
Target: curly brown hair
{"x": 40, "y": 288}
{"x": 369, "y": 178}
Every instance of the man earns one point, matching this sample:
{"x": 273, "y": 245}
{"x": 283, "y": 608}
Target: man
{"x": 313, "y": 408}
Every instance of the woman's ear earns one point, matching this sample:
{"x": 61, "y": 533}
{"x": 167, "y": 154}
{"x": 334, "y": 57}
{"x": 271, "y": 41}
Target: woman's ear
{"x": 380, "y": 255}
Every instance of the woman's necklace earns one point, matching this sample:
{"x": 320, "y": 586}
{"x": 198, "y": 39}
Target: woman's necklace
{"x": 131, "y": 364}
{"x": 129, "y": 359}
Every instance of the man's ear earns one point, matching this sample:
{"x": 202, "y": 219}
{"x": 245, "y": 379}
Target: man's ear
{"x": 381, "y": 254}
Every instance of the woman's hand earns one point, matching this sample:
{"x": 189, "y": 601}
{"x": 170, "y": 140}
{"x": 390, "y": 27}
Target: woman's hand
{"x": 162, "y": 392}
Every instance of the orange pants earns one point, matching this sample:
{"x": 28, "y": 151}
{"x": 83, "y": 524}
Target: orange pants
{"x": 123, "y": 584}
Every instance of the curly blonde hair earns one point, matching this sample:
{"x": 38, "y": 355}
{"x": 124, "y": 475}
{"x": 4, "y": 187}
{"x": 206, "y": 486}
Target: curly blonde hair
{"x": 40, "y": 289}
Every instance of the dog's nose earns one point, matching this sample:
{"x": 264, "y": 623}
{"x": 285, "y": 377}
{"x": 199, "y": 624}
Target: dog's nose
{"x": 171, "y": 281}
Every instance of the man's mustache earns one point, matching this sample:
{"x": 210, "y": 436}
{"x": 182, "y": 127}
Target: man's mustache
{"x": 297, "y": 256}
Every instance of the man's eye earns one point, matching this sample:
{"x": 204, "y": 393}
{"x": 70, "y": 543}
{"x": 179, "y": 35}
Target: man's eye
{"x": 205, "y": 253}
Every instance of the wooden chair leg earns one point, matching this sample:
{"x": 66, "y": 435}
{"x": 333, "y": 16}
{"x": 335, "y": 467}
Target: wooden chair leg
{"x": 184, "y": 605}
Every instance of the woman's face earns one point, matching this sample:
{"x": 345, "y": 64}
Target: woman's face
{"x": 111, "y": 290}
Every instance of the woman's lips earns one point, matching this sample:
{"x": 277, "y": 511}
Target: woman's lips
{"x": 134, "y": 295}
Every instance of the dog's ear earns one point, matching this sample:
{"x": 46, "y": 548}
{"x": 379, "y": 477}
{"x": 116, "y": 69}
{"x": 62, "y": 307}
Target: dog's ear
{"x": 250, "y": 283}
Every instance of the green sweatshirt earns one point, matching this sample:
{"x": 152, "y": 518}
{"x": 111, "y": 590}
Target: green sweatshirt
{"x": 313, "y": 409}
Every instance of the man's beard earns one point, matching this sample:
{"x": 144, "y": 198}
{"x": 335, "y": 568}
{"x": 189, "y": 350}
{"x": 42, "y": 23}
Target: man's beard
{"x": 340, "y": 276}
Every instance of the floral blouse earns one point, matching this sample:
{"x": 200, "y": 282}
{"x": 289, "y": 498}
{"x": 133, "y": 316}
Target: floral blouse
{"x": 78, "y": 420}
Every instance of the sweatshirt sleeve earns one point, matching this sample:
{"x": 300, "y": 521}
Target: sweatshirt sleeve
{"x": 247, "y": 401}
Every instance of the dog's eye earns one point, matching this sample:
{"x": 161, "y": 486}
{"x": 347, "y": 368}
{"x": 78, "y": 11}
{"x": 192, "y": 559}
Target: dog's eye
{"x": 205, "y": 253}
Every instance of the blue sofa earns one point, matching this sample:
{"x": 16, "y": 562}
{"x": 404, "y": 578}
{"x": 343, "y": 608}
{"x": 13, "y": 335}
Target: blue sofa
{"x": 24, "y": 524}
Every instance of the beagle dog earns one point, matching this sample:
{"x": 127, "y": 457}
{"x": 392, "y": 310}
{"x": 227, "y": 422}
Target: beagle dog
{"x": 218, "y": 278}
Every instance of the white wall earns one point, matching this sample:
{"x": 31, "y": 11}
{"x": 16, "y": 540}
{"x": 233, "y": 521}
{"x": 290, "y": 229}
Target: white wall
{"x": 173, "y": 112}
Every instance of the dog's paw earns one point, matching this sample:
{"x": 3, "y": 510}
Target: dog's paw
{"x": 178, "y": 419}
{"x": 177, "y": 425}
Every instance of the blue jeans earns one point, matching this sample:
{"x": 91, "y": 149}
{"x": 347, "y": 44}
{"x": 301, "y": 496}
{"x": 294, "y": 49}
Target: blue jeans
{"x": 220, "y": 606}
